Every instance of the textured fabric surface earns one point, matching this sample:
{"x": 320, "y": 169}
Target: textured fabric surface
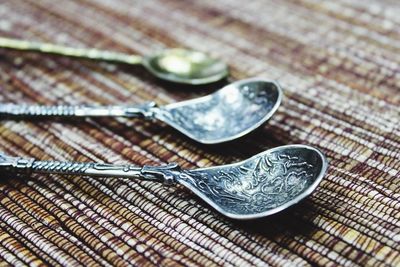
{"x": 338, "y": 64}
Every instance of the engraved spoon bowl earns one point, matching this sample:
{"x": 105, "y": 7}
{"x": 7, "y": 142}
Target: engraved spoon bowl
{"x": 227, "y": 114}
{"x": 264, "y": 184}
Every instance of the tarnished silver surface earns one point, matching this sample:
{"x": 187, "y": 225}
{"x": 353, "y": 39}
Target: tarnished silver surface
{"x": 227, "y": 114}
{"x": 257, "y": 187}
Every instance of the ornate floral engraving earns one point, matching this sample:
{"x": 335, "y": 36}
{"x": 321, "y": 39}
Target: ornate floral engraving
{"x": 257, "y": 185}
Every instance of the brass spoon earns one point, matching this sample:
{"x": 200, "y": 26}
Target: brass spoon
{"x": 174, "y": 65}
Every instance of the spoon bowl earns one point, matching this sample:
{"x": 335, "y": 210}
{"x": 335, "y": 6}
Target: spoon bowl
{"x": 185, "y": 66}
{"x": 260, "y": 186}
{"x": 227, "y": 114}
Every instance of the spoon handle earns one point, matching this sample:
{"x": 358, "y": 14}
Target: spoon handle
{"x": 165, "y": 174}
{"x": 20, "y": 111}
{"x": 88, "y": 53}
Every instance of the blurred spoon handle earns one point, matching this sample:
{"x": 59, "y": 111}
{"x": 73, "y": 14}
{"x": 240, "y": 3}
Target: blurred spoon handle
{"x": 14, "y": 111}
{"x": 88, "y": 53}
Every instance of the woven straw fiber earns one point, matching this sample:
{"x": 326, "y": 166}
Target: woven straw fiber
{"x": 338, "y": 64}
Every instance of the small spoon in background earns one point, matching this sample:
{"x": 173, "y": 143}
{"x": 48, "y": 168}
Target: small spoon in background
{"x": 222, "y": 116}
{"x": 174, "y": 65}
{"x": 262, "y": 185}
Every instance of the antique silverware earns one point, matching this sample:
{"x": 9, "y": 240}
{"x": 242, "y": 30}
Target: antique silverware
{"x": 262, "y": 185}
{"x": 227, "y": 114}
{"x": 175, "y": 65}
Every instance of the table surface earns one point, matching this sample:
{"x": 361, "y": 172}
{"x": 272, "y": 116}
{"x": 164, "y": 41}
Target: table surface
{"x": 338, "y": 64}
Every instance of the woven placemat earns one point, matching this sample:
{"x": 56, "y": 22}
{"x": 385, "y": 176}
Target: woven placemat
{"x": 338, "y": 64}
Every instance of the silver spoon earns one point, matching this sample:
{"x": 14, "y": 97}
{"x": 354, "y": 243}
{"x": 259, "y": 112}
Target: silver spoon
{"x": 227, "y": 114}
{"x": 262, "y": 185}
{"x": 175, "y": 65}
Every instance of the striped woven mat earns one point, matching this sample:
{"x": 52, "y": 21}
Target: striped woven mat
{"x": 338, "y": 64}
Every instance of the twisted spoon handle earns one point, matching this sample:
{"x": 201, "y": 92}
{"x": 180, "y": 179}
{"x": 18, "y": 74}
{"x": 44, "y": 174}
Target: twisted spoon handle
{"x": 18, "y": 111}
{"x": 165, "y": 174}
{"x": 88, "y": 53}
